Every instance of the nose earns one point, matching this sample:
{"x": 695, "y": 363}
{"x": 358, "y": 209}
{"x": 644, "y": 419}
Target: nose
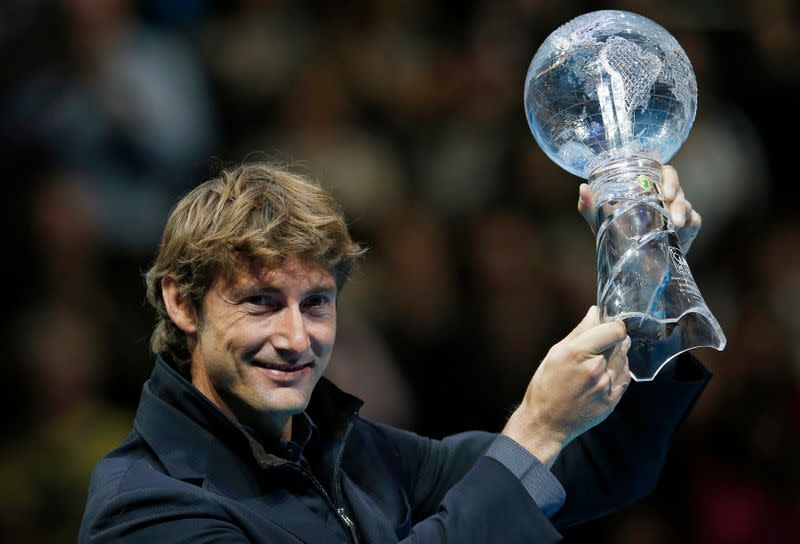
{"x": 290, "y": 338}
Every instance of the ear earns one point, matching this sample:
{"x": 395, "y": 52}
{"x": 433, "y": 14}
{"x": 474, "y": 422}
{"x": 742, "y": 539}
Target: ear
{"x": 179, "y": 308}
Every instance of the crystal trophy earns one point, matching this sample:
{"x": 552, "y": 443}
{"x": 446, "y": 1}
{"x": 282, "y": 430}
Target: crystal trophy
{"x": 610, "y": 96}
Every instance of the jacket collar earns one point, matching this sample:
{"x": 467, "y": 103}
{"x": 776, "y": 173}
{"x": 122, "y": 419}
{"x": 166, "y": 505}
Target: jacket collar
{"x": 188, "y": 432}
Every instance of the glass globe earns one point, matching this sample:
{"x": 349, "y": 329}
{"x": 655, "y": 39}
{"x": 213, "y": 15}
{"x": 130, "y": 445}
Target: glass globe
{"x": 609, "y": 85}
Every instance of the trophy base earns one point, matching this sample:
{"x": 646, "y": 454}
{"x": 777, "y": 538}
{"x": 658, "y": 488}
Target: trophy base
{"x": 656, "y": 342}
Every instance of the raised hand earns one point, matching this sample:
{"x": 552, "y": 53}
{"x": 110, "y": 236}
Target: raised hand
{"x": 685, "y": 218}
{"x": 577, "y": 386}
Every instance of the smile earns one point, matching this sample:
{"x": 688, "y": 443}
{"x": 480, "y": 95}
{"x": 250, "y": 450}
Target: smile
{"x": 283, "y": 368}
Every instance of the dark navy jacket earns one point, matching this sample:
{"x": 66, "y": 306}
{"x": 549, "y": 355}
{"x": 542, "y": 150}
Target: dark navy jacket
{"x": 187, "y": 473}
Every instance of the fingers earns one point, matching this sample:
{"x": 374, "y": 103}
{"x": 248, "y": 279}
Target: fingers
{"x": 687, "y": 209}
{"x": 607, "y": 379}
{"x": 586, "y": 205}
{"x": 677, "y": 210}
{"x": 597, "y": 340}
{"x": 674, "y": 199}
{"x": 680, "y": 209}
{"x": 686, "y": 220}
{"x": 670, "y": 183}
{"x": 588, "y": 321}
{"x": 619, "y": 376}
{"x": 619, "y": 359}
{"x": 689, "y": 232}
{"x": 695, "y": 220}
{"x": 617, "y": 390}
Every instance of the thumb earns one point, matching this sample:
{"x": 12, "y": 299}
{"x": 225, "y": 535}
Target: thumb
{"x": 588, "y": 321}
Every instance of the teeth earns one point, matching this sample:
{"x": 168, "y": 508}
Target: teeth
{"x": 282, "y": 368}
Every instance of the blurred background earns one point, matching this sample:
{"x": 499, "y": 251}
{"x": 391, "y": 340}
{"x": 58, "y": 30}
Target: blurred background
{"x": 410, "y": 112}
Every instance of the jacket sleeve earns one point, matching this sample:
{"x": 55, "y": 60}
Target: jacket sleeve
{"x": 430, "y": 468}
{"x": 458, "y": 494}
{"x": 620, "y": 460}
{"x": 489, "y": 504}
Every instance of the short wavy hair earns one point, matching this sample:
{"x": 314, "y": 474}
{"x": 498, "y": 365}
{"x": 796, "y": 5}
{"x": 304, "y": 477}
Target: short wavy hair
{"x": 256, "y": 213}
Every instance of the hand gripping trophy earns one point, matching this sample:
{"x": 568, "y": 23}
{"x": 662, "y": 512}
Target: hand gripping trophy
{"x": 610, "y": 96}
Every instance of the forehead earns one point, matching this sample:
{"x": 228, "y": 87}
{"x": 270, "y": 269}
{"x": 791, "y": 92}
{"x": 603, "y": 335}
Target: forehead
{"x": 292, "y": 274}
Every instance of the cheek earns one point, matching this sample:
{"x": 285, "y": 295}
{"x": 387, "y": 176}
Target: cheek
{"x": 237, "y": 337}
{"x": 323, "y": 336}
{"x": 248, "y": 339}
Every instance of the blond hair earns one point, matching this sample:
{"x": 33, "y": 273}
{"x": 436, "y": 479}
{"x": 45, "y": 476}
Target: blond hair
{"x": 256, "y": 213}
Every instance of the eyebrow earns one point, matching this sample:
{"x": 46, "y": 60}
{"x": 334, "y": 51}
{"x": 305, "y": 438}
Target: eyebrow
{"x": 271, "y": 290}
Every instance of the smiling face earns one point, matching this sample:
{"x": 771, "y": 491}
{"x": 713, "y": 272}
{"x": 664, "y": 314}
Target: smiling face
{"x": 264, "y": 340}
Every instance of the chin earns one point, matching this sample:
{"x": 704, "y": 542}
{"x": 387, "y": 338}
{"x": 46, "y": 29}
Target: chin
{"x": 287, "y": 400}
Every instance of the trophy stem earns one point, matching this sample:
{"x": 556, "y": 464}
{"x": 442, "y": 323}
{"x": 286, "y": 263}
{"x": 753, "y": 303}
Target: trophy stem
{"x": 642, "y": 274}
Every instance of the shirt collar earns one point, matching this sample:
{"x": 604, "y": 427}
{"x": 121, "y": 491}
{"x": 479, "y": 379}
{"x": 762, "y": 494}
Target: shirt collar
{"x": 303, "y": 431}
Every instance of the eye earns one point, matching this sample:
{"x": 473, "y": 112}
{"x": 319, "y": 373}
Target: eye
{"x": 317, "y": 304}
{"x": 263, "y": 301}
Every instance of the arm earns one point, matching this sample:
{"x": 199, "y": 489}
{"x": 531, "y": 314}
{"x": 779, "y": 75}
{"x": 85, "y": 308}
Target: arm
{"x": 620, "y": 460}
{"x": 575, "y": 388}
{"x": 488, "y": 505}
{"x": 430, "y": 468}
{"x": 439, "y": 464}
{"x": 602, "y": 463}
{"x": 461, "y": 489}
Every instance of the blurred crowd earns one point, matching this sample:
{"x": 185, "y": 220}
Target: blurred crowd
{"x": 410, "y": 112}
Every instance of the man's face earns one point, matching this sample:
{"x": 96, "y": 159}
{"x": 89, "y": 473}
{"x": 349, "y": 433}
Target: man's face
{"x": 265, "y": 339}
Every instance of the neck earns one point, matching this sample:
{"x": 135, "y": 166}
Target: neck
{"x": 287, "y": 430}
{"x": 266, "y": 429}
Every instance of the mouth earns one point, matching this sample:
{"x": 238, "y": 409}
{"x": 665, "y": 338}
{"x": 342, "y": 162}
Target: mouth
{"x": 288, "y": 369}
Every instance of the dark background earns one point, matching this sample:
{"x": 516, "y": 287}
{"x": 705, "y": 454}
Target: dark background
{"x": 410, "y": 112}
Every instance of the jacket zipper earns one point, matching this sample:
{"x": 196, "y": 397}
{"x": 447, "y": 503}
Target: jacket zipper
{"x": 347, "y": 521}
{"x": 338, "y": 504}
{"x": 337, "y": 484}
{"x": 340, "y": 511}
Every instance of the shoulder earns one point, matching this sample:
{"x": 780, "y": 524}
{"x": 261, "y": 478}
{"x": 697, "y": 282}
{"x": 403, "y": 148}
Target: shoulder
{"x": 131, "y": 493}
{"x": 127, "y": 472}
{"x": 372, "y": 441}
{"x": 130, "y": 464}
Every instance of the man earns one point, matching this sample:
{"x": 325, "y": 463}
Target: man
{"x": 238, "y": 439}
